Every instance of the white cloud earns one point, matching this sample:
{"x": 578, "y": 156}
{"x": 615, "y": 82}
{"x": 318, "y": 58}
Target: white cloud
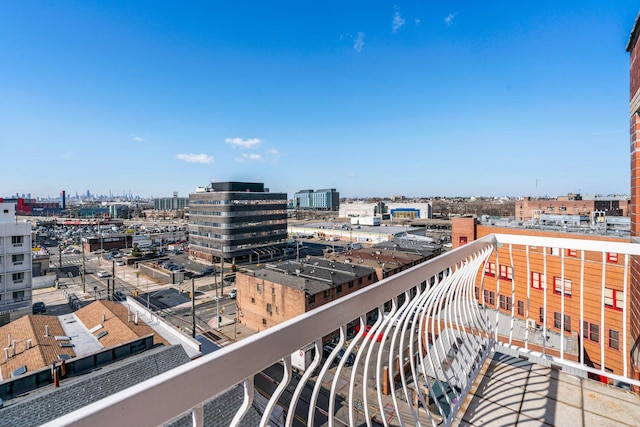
{"x": 397, "y": 22}
{"x": 418, "y": 21}
{"x": 273, "y": 151}
{"x": 138, "y": 138}
{"x": 249, "y": 157}
{"x": 195, "y": 158}
{"x": 244, "y": 143}
{"x": 449, "y": 19}
{"x": 359, "y": 42}
{"x": 352, "y": 175}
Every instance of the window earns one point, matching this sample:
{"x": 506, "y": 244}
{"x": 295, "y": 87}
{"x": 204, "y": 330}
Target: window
{"x": 591, "y": 331}
{"x": 360, "y": 281}
{"x": 614, "y": 339}
{"x": 269, "y": 308}
{"x": 613, "y": 299}
{"x": 612, "y": 257}
{"x": 17, "y": 258}
{"x": 538, "y": 280}
{"x": 506, "y": 303}
{"x": 350, "y": 285}
{"x": 521, "y": 308}
{"x": 18, "y": 295}
{"x": 339, "y": 289}
{"x": 489, "y": 297}
{"x": 312, "y": 299}
{"x": 557, "y": 321}
{"x": 554, "y": 251}
{"x": 463, "y": 240}
{"x": 490, "y": 269}
{"x": 476, "y": 292}
{"x": 541, "y": 316}
{"x": 17, "y": 277}
{"x": 327, "y": 294}
{"x": 273, "y": 291}
{"x": 16, "y": 240}
{"x": 506, "y": 272}
{"x": 559, "y": 283}
{"x": 259, "y": 288}
{"x": 572, "y": 252}
{"x": 253, "y": 300}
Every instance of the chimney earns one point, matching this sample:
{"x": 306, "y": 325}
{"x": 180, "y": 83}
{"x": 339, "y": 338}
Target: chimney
{"x": 135, "y": 318}
{"x": 46, "y": 330}
{"x": 6, "y": 353}
{"x": 27, "y": 345}
{"x": 104, "y": 316}
{"x": 13, "y": 346}
{"x": 8, "y": 340}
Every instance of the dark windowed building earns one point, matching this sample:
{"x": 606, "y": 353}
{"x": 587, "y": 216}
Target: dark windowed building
{"x": 237, "y": 220}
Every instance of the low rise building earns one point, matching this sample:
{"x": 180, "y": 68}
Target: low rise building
{"x": 272, "y": 293}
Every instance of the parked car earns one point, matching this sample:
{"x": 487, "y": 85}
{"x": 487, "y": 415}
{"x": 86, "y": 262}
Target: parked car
{"x": 119, "y": 296}
{"x": 120, "y": 262}
{"x": 38, "y": 307}
{"x": 233, "y": 293}
{"x": 207, "y": 271}
{"x": 102, "y": 273}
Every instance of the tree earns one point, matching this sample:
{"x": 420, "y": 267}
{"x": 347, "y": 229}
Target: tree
{"x": 136, "y": 252}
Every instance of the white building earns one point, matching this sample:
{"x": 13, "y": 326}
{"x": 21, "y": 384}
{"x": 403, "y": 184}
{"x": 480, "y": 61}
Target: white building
{"x": 404, "y": 210}
{"x": 15, "y": 260}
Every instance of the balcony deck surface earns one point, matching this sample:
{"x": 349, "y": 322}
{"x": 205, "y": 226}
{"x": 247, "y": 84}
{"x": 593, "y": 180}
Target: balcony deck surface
{"x": 514, "y": 392}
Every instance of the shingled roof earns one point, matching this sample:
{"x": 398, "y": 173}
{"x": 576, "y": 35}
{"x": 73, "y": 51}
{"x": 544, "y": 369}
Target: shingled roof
{"x": 43, "y": 349}
{"x": 117, "y": 321}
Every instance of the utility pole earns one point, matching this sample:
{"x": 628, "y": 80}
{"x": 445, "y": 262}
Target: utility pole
{"x": 113, "y": 274}
{"x": 60, "y": 257}
{"x": 221, "y": 274}
{"x": 193, "y": 307}
{"x": 84, "y": 283}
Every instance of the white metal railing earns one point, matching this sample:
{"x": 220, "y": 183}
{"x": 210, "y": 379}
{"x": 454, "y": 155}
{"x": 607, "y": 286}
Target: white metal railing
{"x": 417, "y": 359}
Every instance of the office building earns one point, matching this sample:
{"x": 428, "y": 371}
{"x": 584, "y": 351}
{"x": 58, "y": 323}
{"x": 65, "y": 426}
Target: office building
{"x": 233, "y": 220}
{"x": 325, "y": 200}
{"x": 15, "y": 260}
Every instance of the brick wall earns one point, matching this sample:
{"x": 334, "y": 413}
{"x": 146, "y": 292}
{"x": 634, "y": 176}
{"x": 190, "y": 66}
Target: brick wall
{"x": 463, "y": 230}
{"x": 634, "y": 95}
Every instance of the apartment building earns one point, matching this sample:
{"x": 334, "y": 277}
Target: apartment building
{"x": 270, "y": 294}
{"x": 15, "y": 260}
{"x": 237, "y": 220}
{"x": 548, "y": 277}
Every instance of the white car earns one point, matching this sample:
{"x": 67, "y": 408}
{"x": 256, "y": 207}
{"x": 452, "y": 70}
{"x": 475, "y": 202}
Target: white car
{"x": 102, "y": 273}
{"x": 120, "y": 262}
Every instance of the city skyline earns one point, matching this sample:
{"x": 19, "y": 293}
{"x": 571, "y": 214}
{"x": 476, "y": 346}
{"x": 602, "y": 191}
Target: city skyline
{"x": 371, "y": 99}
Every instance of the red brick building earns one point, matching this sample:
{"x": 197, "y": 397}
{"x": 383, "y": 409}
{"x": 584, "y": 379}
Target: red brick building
{"x": 508, "y": 267}
{"x": 634, "y": 95}
{"x": 276, "y": 292}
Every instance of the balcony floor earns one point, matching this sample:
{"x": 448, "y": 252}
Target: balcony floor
{"x": 513, "y": 392}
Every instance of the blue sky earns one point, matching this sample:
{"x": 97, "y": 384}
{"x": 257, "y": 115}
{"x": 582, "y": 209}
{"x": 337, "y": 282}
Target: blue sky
{"x": 373, "y": 98}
